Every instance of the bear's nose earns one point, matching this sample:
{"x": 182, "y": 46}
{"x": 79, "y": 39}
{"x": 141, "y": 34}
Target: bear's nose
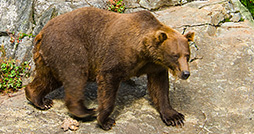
{"x": 185, "y": 75}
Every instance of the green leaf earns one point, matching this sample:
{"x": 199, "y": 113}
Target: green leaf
{"x": 3, "y": 65}
{"x": 11, "y": 75}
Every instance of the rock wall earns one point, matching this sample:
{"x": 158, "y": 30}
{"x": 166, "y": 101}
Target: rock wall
{"x": 29, "y": 16}
{"x": 217, "y": 98}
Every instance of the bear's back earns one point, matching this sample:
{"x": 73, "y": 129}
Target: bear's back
{"x": 88, "y": 20}
{"x": 94, "y": 27}
{"x": 94, "y": 35}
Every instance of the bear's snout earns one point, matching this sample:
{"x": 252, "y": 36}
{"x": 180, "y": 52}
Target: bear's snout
{"x": 185, "y": 75}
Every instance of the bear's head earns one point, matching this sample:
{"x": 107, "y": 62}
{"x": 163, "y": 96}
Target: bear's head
{"x": 170, "y": 49}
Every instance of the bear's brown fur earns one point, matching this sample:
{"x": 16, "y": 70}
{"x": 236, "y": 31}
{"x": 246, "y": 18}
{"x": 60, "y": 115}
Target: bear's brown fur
{"x": 90, "y": 44}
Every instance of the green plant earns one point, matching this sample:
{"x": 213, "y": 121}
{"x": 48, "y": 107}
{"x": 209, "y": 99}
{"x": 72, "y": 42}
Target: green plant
{"x": 116, "y": 6}
{"x": 18, "y": 37}
{"x": 11, "y": 75}
{"x": 241, "y": 19}
{"x": 249, "y": 4}
{"x": 223, "y": 21}
{"x": 12, "y": 71}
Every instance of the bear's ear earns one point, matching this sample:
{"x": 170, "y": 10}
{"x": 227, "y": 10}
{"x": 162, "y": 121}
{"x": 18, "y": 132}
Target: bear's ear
{"x": 190, "y": 36}
{"x": 160, "y": 36}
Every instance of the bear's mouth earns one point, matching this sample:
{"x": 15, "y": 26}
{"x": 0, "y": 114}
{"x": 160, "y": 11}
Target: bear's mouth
{"x": 178, "y": 73}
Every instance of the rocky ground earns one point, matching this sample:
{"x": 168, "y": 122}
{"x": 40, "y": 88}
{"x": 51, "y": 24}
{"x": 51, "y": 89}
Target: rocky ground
{"x": 217, "y": 98}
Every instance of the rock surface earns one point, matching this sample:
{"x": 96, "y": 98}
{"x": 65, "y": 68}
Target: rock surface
{"x": 217, "y": 98}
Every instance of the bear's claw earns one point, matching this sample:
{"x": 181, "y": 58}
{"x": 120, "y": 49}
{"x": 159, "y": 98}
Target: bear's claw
{"x": 48, "y": 103}
{"x": 45, "y": 104}
{"x": 173, "y": 118}
{"x": 108, "y": 124}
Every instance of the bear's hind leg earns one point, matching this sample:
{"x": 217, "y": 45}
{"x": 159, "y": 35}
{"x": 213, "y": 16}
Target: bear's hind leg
{"x": 74, "y": 85}
{"x": 42, "y": 84}
{"x": 158, "y": 86}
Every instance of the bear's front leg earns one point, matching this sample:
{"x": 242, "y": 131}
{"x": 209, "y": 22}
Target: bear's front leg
{"x": 158, "y": 86}
{"x": 107, "y": 90}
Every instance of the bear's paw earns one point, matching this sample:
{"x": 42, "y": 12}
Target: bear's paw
{"x": 172, "y": 118}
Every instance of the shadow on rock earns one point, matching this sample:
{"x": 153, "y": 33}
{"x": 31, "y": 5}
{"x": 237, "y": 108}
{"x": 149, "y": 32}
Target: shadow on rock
{"x": 129, "y": 91}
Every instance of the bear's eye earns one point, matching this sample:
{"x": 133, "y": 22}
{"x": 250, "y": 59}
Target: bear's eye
{"x": 176, "y": 56}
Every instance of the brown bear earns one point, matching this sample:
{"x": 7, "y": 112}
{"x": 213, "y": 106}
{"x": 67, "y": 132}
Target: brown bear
{"x": 90, "y": 44}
